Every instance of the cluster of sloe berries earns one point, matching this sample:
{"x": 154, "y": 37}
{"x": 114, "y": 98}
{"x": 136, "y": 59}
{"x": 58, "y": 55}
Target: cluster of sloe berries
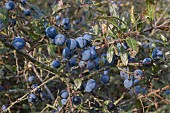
{"x": 38, "y": 93}
{"x": 10, "y": 5}
{"x": 130, "y": 80}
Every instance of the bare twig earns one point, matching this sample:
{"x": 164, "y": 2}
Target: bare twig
{"x": 30, "y": 58}
{"x": 24, "y": 96}
{"x": 143, "y": 108}
{"x": 45, "y": 86}
{"x": 155, "y": 91}
{"x": 16, "y": 61}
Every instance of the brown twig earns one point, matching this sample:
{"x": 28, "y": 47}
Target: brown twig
{"x": 30, "y": 58}
{"x": 155, "y": 91}
{"x": 45, "y": 86}
{"x": 24, "y": 96}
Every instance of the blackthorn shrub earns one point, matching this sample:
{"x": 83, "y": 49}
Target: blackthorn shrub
{"x": 84, "y": 56}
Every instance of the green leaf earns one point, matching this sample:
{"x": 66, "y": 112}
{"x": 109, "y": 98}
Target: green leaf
{"x": 51, "y": 50}
{"x": 150, "y": 1}
{"x": 110, "y": 54}
{"x": 132, "y": 43}
{"x": 150, "y": 9}
{"x": 11, "y": 68}
{"x": 96, "y": 29}
{"x": 163, "y": 38}
{"x": 3, "y": 14}
{"x": 124, "y": 58}
{"x": 60, "y": 104}
{"x": 111, "y": 18}
{"x": 113, "y": 8}
{"x": 106, "y": 102}
{"x": 132, "y": 17}
{"x": 38, "y": 13}
{"x": 77, "y": 83}
{"x": 3, "y": 50}
{"x": 55, "y": 9}
{"x": 112, "y": 21}
{"x": 110, "y": 33}
{"x": 137, "y": 104}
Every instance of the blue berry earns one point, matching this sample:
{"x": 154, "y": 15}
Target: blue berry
{"x": 87, "y": 37}
{"x": 71, "y": 44}
{"x": 111, "y": 106}
{"x": 124, "y": 74}
{"x": 106, "y": 72}
{"x": 1, "y": 24}
{"x": 33, "y": 86}
{"x": 76, "y": 100}
{"x": 85, "y": 55}
{"x": 93, "y": 52}
{"x": 65, "y": 21}
{"x": 72, "y": 62}
{"x": 31, "y": 78}
{"x": 90, "y": 65}
{"x": 130, "y": 59}
{"x": 105, "y": 79}
{"x": 27, "y": 12}
{"x": 137, "y": 89}
{"x": 58, "y": 17}
{"x": 135, "y": 80}
{"x": 43, "y": 96}
{"x": 59, "y": 39}
{"x": 55, "y": 64}
{"x": 51, "y": 32}
{"x": 13, "y": 22}
{"x": 10, "y": 5}
{"x": 4, "y": 107}
{"x": 63, "y": 101}
{"x": 18, "y": 43}
{"x": 77, "y": 21}
{"x": 23, "y": 2}
{"x": 81, "y": 43}
{"x": 167, "y": 92}
{"x": 96, "y": 61}
{"x": 138, "y": 73}
{"x": 103, "y": 58}
{"x": 66, "y": 53}
{"x": 128, "y": 83}
{"x": 64, "y": 94}
{"x": 157, "y": 54}
{"x": 32, "y": 98}
{"x": 1, "y": 88}
{"x": 91, "y": 84}
{"x": 82, "y": 64}
{"x": 147, "y": 61}
{"x": 67, "y": 27}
